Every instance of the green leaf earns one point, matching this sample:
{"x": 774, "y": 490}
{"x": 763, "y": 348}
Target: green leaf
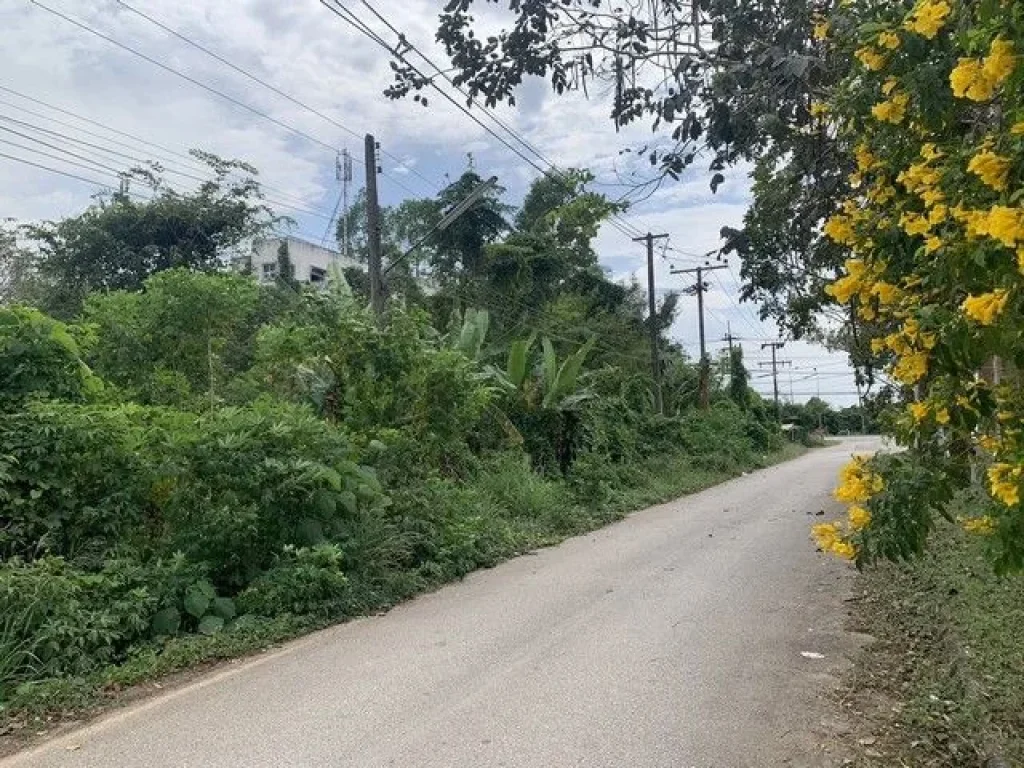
{"x": 566, "y": 380}
{"x": 518, "y": 357}
{"x": 196, "y": 603}
{"x": 550, "y": 365}
{"x": 224, "y": 607}
{"x": 325, "y": 502}
{"x": 348, "y": 501}
{"x": 166, "y": 622}
{"x": 211, "y": 625}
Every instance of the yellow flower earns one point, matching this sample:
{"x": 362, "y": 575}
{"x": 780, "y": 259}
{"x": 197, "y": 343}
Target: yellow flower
{"x": 1017, "y": 129}
{"x": 821, "y": 29}
{"x": 889, "y": 85}
{"x": 977, "y": 79}
{"x": 1020, "y": 260}
{"x": 889, "y": 40}
{"x": 1004, "y": 224}
{"x": 989, "y": 443}
{"x": 931, "y": 196}
{"x": 859, "y": 518}
{"x": 1000, "y": 62}
{"x": 919, "y": 411}
{"x": 1004, "y": 483}
{"x": 845, "y": 550}
{"x": 839, "y": 229}
{"x": 991, "y": 168}
{"x": 858, "y": 482}
{"x": 881, "y": 194}
{"x": 829, "y": 538}
{"x": 878, "y": 346}
{"x": 893, "y": 110}
{"x": 932, "y": 244}
{"x": 942, "y": 416}
{"x": 818, "y": 109}
{"x": 825, "y": 535}
{"x": 911, "y": 367}
{"x": 887, "y": 293}
{"x": 843, "y": 289}
{"x": 968, "y": 80}
{"x": 914, "y": 224}
{"x": 985, "y": 308}
{"x": 928, "y": 17}
{"x": 983, "y": 526}
{"x": 865, "y": 160}
{"x": 870, "y": 58}
{"x": 930, "y": 152}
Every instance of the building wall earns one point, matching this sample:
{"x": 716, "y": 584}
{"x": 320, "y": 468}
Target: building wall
{"x": 306, "y": 257}
{"x": 309, "y": 260}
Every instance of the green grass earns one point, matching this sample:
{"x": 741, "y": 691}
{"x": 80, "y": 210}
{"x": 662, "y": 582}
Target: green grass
{"x": 504, "y": 512}
{"x": 951, "y": 650}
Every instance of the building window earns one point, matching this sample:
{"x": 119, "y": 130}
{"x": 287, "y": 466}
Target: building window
{"x": 270, "y": 271}
{"x": 317, "y": 275}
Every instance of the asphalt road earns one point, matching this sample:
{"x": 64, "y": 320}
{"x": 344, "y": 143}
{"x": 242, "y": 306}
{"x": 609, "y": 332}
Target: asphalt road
{"x": 674, "y": 639}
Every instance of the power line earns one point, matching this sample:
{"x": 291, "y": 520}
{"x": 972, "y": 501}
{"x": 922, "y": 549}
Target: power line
{"x": 210, "y": 89}
{"x": 142, "y": 161}
{"x": 256, "y": 79}
{"x": 490, "y": 113}
{"x": 95, "y": 165}
{"x": 190, "y": 165}
{"x": 47, "y": 168}
{"x": 353, "y": 20}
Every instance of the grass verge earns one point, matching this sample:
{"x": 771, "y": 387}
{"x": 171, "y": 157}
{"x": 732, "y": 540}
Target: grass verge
{"x": 533, "y": 513}
{"x": 943, "y": 685}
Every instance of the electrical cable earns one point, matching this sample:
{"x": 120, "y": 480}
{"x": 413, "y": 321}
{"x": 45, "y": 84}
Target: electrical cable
{"x": 269, "y": 86}
{"x": 188, "y": 78}
{"x": 348, "y": 16}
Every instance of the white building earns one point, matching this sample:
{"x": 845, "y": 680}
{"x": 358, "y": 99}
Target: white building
{"x": 311, "y": 262}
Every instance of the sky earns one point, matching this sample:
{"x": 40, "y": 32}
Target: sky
{"x": 310, "y": 55}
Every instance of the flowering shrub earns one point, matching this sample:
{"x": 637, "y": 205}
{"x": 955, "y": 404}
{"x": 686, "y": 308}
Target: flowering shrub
{"x": 931, "y": 115}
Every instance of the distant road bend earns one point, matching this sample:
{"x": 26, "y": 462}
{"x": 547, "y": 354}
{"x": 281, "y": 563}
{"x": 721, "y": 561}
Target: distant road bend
{"x": 687, "y": 635}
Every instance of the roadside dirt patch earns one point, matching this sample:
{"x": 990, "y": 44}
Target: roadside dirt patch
{"x": 942, "y": 685}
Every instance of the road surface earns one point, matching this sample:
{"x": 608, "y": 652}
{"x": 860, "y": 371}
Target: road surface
{"x": 673, "y": 639}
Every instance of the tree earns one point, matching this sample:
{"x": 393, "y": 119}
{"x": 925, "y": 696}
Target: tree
{"x": 931, "y": 118}
{"x": 42, "y": 357}
{"x": 185, "y": 336}
{"x": 725, "y": 81}
{"x": 739, "y": 378}
{"x": 19, "y": 270}
{"x": 459, "y": 254}
{"x": 120, "y": 241}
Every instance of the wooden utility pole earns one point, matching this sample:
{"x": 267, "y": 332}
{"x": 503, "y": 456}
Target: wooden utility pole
{"x": 775, "y": 345}
{"x": 655, "y": 362}
{"x": 373, "y": 228}
{"x": 705, "y": 364}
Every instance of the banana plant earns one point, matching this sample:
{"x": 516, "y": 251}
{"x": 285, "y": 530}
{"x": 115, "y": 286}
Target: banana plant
{"x": 469, "y": 338}
{"x": 557, "y": 385}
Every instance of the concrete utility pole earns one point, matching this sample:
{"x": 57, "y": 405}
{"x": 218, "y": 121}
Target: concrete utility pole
{"x": 344, "y": 174}
{"x": 699, "y": 289}
{"x": 373, "y": 228}
{"x": 655, "y": 363}
{"x": 775, "y": 345}
{"x": 729, "y": 337}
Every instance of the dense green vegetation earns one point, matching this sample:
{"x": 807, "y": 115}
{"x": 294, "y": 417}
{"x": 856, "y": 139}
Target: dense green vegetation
{"x": 193, "y": 464}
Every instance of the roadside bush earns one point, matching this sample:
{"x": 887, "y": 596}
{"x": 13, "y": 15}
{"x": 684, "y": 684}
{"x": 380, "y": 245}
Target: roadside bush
{"x": 41, "y": 357}
{"x": 251, "y": 481}
{"x": 74, "y": 480}
{"x": 303, "y": 580}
